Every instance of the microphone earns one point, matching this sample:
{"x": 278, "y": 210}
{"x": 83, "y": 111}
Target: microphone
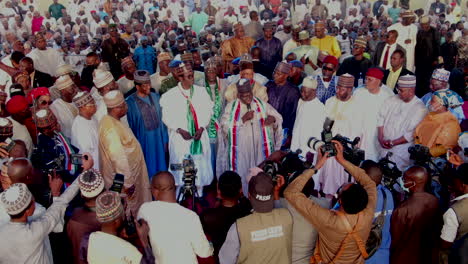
{"x": 249, "y": 108}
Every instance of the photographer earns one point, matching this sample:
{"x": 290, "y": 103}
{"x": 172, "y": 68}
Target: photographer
{"x": 347, "y": 228}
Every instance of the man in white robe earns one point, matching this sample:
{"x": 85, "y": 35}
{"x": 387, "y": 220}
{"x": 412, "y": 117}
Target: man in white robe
{"x": 126, "y": 82}
{"x": 62, "y": 107}
{"x": 343, "y": 109}
{"x": 45, "y": 59}
{"x": 252, "y": 131}
{"x": 397, "y": 120}
{"x": 371, "y": 98}
{"x": 407, "y": 32}
{"x": 186, "y": 111}
{"x": 310, "y": 116}
{"x": 85, "y": 127}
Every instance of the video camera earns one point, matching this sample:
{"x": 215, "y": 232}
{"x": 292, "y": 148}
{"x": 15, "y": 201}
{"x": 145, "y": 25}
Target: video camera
{"x": 350, "y": 152}
{"x": 420, "y": 154}
{"x": 390, "y": 171}
{"x": 190, "y": 172}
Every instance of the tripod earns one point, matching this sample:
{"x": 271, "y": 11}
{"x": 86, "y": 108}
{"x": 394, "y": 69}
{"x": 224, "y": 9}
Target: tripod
{"x": 185, "y": 192}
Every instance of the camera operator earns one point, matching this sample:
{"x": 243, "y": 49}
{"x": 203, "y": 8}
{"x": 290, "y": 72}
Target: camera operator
{"x": 439, "y": 129}
{"x": 346, "y": 229}
{"x": 174, "y": 231}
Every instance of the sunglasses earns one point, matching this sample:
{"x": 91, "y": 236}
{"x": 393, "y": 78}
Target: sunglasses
{"x": 327, "y": 69}
{"x": 45, "y": 103}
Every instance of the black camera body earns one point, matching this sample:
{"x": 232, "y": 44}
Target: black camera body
{"x": 390, "y": 171}
{"x": 190, "y": 172}
{"x": 350, "y": 152}
{"x": 420, "y": 154}
{"x": 271, "y": 169}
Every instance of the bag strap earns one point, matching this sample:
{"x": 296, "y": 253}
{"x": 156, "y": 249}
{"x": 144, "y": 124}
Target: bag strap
{"x": 316, "y": 258}
{"x": 352, "y": 232}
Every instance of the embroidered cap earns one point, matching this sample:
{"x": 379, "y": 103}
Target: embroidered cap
{"x": 346, "y": 80}
{"x": 127, "y": 61}
{"x": 141, "y": 76}
{"x": 113, "y": 98}
{"x": 108, "y": 207}
{"x": 63, "y": 82}
{"x": 82, "y": 99}
{"x": 91, "y": 183}
{"x": 187, "y": 56}
{"x": 261, "y": 193}
{"x": 44, "y": 118}
{"x": 283, "y": 67}
{"x": 164, "y": 56}
{"x": 407, "y": 81}
{"x": 243, "y": 86}
{"x": 303, "y": 35}
{"x": 64, "y": 69}
{"x": 102, "y": 78}
{"x": 441, "y": 75}
{"x": 361, "y": 42}
{"x": 16, "y": 198}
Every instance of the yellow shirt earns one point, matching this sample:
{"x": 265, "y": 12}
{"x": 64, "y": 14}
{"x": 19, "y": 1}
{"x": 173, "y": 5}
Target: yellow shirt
{"x": 393, "y": 77}
{"x": 328, "y": 44}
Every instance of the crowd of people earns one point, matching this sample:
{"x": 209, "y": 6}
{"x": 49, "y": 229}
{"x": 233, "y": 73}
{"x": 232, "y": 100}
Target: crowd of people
{"x": 234, "y": 131}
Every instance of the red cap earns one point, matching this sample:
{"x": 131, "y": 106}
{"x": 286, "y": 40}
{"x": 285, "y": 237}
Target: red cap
{"x": 16, "y": 104}
{"x": 36, "y": 93}
{"x": 330, "y": 59}
{"x": 376, "y": 73}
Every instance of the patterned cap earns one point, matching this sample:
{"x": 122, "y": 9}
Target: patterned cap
{"x": 243, "y": 86}
{"x": 283, "y": 67}
{"x": 441, "y": 75}
{"x": 113, "y": 98}
{"x": 141, "y": 76}
{"x": 102, "y": 78}
{"x": 187, "y": 56}
{"x": 63, "y": 82}
{"x": 163, "y": 56}
{"x": 407, "y": 81}
{"x": 127, "y": 61}
{"x": 309, "y": 82}
{"x": 44, "y": 118}
{"x": 346, "y": 80}
{"x": 64, "y": 69}
{"x": 6, "y": 127}
{"x": 303, "y": 35}
{"x": 108, "y": 207}
{"x": 407, "y": 13}
{"x": 91, "y": 183}
{"x": 82, "y": 99}
{"x": 16, "y": 198}
{"x": 361, "y": 42}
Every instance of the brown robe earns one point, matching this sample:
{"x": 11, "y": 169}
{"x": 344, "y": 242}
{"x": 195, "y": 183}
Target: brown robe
{"x": 415, "y": 229}
{"x": 82, "y": 222}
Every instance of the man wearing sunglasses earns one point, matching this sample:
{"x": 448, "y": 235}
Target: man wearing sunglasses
{"x": 326, "y": 79}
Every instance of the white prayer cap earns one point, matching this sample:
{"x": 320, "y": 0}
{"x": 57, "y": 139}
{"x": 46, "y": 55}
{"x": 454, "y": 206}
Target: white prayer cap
{"x": 102, "y": 78}
{"x": 16, "y": 198}
{"x": 309, "y": 82}
{"x": 91, "y": 183}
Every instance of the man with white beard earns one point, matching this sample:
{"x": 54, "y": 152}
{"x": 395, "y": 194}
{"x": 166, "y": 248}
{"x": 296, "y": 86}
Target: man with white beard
{"x": 310, "y": 116}
{"x": 371, "y": 98}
